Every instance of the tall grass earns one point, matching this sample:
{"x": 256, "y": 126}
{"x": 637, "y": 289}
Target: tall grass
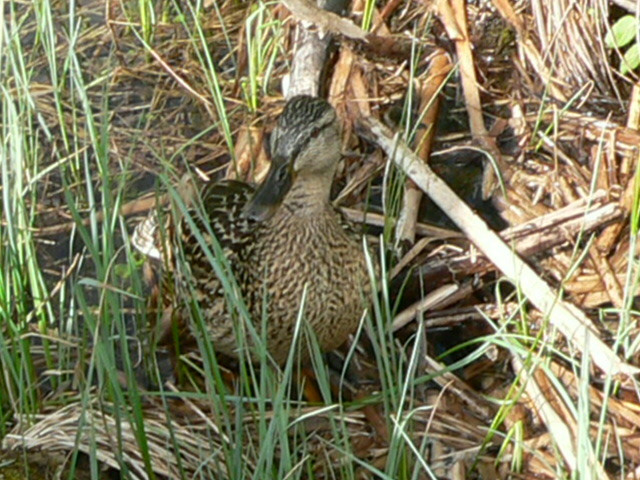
{"x": 76, "y": 341}
{"x": 23, "y": 293}
{"x": 86, "y": 332}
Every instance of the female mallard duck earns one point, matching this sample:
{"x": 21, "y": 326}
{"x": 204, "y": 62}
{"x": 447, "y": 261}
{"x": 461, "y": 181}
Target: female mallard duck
{"x": 283, "y": 242}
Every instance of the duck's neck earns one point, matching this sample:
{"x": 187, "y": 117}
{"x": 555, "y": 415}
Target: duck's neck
{"x": 309, "y": 195}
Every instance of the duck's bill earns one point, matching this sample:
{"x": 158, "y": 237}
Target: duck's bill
{"x": 270, "y": 193}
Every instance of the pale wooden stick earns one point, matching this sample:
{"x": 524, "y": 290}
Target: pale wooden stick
{"x": 572, "y": 322}
{"x": 310, "y": 57}
{"x": 308, "y": 11}
{"x": 439, "y": 70}
{"x": 563, "y": 434}
{"x": 452, "y": 13}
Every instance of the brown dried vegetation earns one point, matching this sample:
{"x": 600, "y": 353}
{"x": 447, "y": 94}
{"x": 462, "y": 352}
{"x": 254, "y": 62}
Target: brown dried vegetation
{"x": 531, "y": 85}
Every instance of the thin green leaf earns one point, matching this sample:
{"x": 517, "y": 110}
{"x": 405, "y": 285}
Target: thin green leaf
{"x": 622, "y": 32}
{"x": 631, "y": 59}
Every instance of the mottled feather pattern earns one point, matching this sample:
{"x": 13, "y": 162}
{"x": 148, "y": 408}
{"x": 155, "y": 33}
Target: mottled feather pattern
{"x": 301, "y": 121}
{"x": 327, "y": 260}
{"x": 305, "y": 247}
{"x": 222, "y": 205}
{"x": 145, "y": 238}
{"x": 318, "y": 251}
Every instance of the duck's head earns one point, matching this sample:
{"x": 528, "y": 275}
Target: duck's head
{"x": 305, "y": 143}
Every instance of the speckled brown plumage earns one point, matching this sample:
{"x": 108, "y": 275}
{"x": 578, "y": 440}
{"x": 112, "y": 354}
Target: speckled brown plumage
{"x": 280, "y": 240}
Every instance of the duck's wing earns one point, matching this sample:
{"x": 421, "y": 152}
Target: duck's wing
{"x": 146, "y": 237}
{"x": 220, "y": 205}
{"x": 223, "y": 204}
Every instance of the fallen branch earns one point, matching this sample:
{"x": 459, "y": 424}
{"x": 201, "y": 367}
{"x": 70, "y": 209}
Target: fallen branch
{"x": 311, "y": 52}
{"x": 562, "y": 433}
{"x": 530, "y": 238}
{"x": 572, "y": 322}
{"x": 308, "y": 11}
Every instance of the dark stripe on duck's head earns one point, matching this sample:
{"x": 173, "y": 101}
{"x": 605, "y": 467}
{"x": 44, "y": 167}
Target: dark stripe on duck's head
{"x": 271, "y": 192}
{"x": 301, "y": 121}
{"x": 306, "y": 138}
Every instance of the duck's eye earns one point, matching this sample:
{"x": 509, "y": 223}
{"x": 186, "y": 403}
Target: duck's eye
{"x": 316, "y": 132}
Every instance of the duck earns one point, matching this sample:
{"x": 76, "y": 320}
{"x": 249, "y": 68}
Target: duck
{"x": 288, "y": 252}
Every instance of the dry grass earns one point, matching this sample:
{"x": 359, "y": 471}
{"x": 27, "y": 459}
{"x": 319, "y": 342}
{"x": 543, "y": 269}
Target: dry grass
{"x": 112, "y": 105}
